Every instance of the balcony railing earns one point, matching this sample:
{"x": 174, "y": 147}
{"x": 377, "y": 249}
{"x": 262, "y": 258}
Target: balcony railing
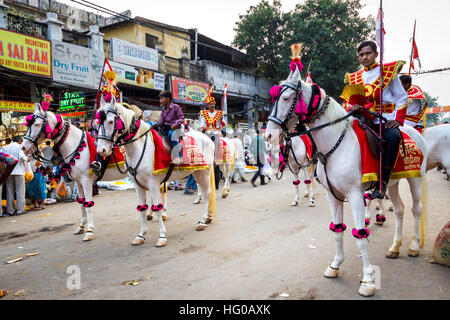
{"x": 27, "y": 26}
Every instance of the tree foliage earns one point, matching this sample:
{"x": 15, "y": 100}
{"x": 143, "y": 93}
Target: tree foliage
{"x": 432, "y": 102}
{"x": 329, "y": 29}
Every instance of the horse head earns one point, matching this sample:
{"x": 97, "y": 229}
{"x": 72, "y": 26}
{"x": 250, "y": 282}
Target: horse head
{"x": 110, "y": 125}
{"x": 294, "y": 101}
{"x": 41, "y": 125}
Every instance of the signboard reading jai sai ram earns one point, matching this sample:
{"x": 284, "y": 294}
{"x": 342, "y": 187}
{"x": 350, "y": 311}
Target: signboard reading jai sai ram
{"x": 25, "y": 53}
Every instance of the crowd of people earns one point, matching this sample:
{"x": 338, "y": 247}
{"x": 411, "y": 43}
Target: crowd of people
{"x": 29, "y": 184}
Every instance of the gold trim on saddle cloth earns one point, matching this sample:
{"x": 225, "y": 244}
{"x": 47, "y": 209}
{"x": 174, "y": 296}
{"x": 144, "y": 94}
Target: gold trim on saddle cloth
{"x": 177, "y": 168}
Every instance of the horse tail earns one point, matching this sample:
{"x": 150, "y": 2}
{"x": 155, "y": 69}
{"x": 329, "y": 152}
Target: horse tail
{"x": 212, "y": 194}
{"x": 423, "y": 216}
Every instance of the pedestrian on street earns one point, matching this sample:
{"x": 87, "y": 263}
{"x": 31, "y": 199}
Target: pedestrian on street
{"x": 7, "y": 164}
{"x": 258, "y": 149}
{"x": 15, "y": 183}
{"x": 191, "y": 185}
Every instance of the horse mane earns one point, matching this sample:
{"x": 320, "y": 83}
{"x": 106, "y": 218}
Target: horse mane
{"x": 127, "y": 118}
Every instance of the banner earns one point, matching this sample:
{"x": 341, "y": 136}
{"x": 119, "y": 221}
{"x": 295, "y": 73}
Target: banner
{"x": 133, "y": 54}
{"x": 189, "y": 91}
{"x": 25, "y": 53}
{"x": 137, "y": 76}
{"x": 75, "y": 65}
{"x": 17, "y": 106}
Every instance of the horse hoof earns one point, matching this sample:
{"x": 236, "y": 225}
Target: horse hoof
{"x": 161, "y": 242}
{"x": 149, "y": 217}
{"x": 312, "y": 204}
{"x": 391, "y": 209}
{"x": 224, "y": 195}
{"x": 201, "y": 226}
{"x": 137, "y": 241}
{"x": 79, "y": 231}
{"x": 413, "y": 253}
{"x": 208, "y": 220}
{"x": 164, "y": 217}
{"x": 392, "y": 255}
{"x": 331, "y": 272}
{"x": 367, "y": 289}
{"x": 379, "y": 223}
{"x": 306, "y": 195}
{"x": 294, "y": 203}
{"x": 88, "y": 236}
{"x": 197, "y": 201}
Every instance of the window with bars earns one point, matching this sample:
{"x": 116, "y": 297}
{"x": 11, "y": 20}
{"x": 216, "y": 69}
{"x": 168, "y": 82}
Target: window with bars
{"x": 150, "y": 40}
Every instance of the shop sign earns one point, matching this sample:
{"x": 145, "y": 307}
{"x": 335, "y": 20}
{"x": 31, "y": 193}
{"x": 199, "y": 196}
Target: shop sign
{"x": 76, "y": 65}
{"x": 133, "y": 54}
{"x": 75, "y": 114}
{"x": 138, "y": 76}
{"x": 69, "y": 101}
{"x": 25, "y": 53}
{"x": 17, "y": 106}
{"x": 189, "y": 91}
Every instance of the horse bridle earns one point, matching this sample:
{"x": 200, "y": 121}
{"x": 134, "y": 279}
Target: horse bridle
{"x": 29, "y": 124}
{"x": 273, "y": 117}
{"x": 103, "y": 115}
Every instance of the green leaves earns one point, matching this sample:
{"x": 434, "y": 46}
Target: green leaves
{"x": 329, "y": 29}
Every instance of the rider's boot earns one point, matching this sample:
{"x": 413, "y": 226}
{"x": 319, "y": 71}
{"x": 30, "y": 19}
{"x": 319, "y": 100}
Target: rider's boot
{"x": 377, "y": 193}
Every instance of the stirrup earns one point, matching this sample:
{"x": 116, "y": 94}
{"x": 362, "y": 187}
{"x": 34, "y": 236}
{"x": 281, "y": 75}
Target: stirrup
{"x": 377, "y": 194}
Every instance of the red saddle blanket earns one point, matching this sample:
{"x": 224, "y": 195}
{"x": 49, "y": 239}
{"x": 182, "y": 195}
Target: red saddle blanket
{"x": 405, "y": 166}
{"x": 223, "y": 154}
{"x": 119, "y": 152}
{"x": 308, "y": 144}
{"x": 192, "y": 158}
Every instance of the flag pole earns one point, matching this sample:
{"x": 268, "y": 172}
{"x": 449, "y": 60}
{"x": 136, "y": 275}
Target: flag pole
{"x": 98, "y": 92}
{"x": 412, "y": 48}
{"x": 380, "y": 128}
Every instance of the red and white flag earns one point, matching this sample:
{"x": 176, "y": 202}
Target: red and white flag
{"x": 415, "y": 56}
{"x": 379, "y": 29}
{"x": 308, "y": 78}
{"x": 224, "y": 104}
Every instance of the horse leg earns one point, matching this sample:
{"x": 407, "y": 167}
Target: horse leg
{"x": 199, "y": 196}
{"x": 381, "y": 216}
{"x": 202, "y": 178}
{"x": 297, "y": 191}
{"x": 80, "y": 228}
{"x": 415, "y": 185}
{"x": 367, "y": 287}
{"x": 88, "y": 203}
{"x": 225, "y": 168}
{"x": 368, "y": 214}
{"x": 337, "y": 208}
{"x": 157, "y": 210}
{"x": 142, "y": 208}
{"x": 308, "y": 187}
{"x": 399, "y": 208}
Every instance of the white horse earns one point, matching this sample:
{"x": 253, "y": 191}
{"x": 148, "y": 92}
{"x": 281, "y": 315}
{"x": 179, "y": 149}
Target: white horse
{"x": 338, "y": 145}
{"x": 139, "y": 158}
{"x": 226, "y": 166}
{"x": 438, "y": 140}
{"x": 70, "y": 140}
{"x": 297, "y": 160}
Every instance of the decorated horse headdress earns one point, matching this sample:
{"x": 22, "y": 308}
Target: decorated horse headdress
{"x": 299, "y": 107}
{"x": 40, "y": 111}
